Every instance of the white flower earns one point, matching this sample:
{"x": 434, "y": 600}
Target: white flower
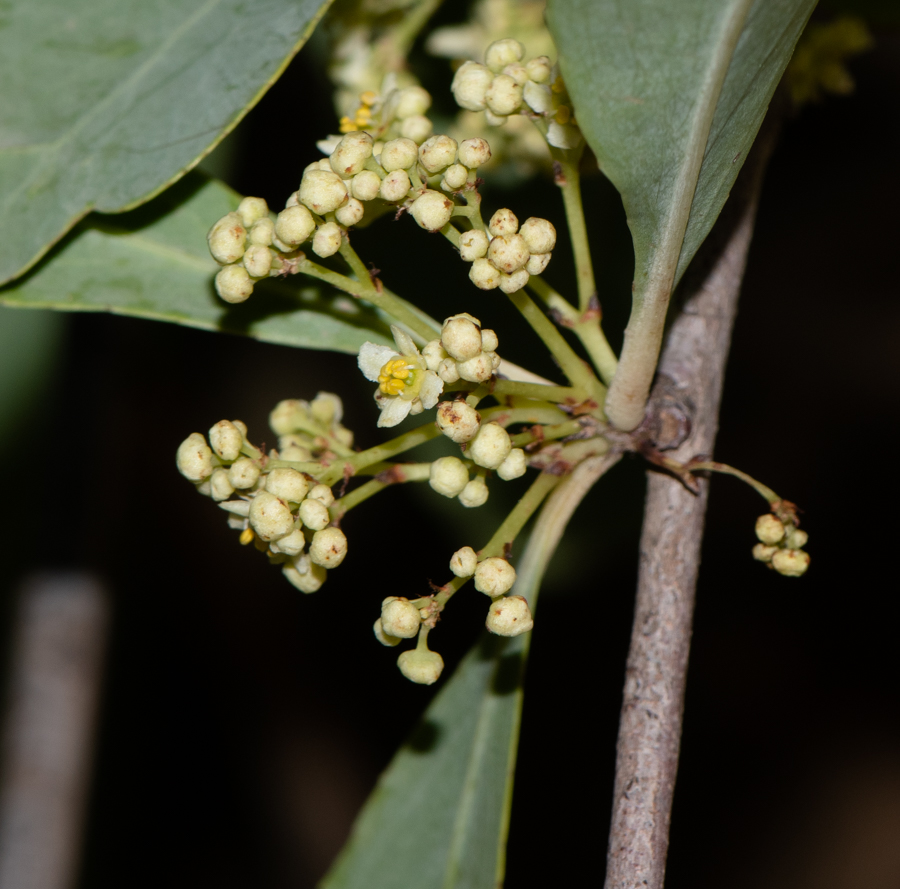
{"x": 405, "y": 384}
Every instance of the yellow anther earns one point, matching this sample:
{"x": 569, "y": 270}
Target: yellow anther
{"x": 563, "y": 114}
{"x": 558, "y": 86}
{"x": 247, "y": 536}
{"x": 347, "y": 126}
{"x": 394, "y": 376}
{"x": 368, "y": 98}
{"x": 261, "y": 545}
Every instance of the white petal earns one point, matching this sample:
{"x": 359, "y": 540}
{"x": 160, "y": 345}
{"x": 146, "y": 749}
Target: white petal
{"x": 236, "y": 507}
{"x": 394, "y": 411}
{"x": 404, "y": 341}
{"x": 432, "y": 386}
{"x": 372, "y": 358}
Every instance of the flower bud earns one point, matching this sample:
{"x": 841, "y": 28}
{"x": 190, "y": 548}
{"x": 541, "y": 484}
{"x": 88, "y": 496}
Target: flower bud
{"x": 461, "y": 337}
{"x": 448, "y": 371}
{"x": 327, "y": 408}
{"x": 519, "y": 73}
{"x": 769, "y": 529}
{"x": 226, "y": 239}
{"x": 226, "y": 440}
{"x": 233, "y": 284}
{"x": 537, "y": 262}
{"x": 494, "y": 577}
{"x": 478, "y": 369}
{"x": 474, "y": 153}
{"x": 539, "y": 234}
{"x": 795, "y": 538}
{"x": 328, "y": 547}
{"x": 470, "y": 86}
{"x": 351, "y": 154}
{"x": 474, "y": 494}
{"x": 421, "y": 666}
{"x": 473, "y": 245}
{"x": 455, "y": 177}
{"x": 412, "y": 100}
{"x": 503, "y": 222}
{"x": 383, "y": 637}
{"x": 399, "y": 617}
{"x": 287, "y": 484}
{"x": 257, "y": 260}
{"x": 194, "y": 458}
{"x": 763, "y": 553}
{"x": 504, "y": 95}
{"x": 463, "y": 562}
{"x": 399, "y": 154}
{"x": 790, "y": 562}
{"x": 458, "y": 421}
{"x": 514, "y": 282}
{"x": 291, "y": 545}
{"x": 432, "y": 210}
{"x": 252, "y": 209}
{"x": 305, "y": 576}
{"x": 509, "y": 616}
{"x": 270, "y": 517}
{"x": 538, "y": 97}
{"x": 314, "y": 514}
{"x": 288, "y": 416}
{"x": 489, "y": 341}
{"x": 539, "y": 69}
{"x": 321, "y": 191}
{"x": 395, "y": 186}
{"x": 364, "y": 186}
{"x": 327, "y": 239}
{"x": 433, "y": 353}
{"x": 503, "y": 52}
{"x": 418, "y": 128}
{"x": 483, "y": 275}
{"x": 262, "y": 232}
{"x": 294, "y": 225}
{"x": 490, "y": 447}
{"x": 437, "y": 152}
{"x": 508, "y": 253}
{"x": 219, "y": 486}
{"x": 350, "y": 214}
{"x": 513, "y": 466}
{"x": 323, "y": 494}
{"x": 243, "y": 473}
{"x": 449, "y": 476}
{"x": 494, "y": 120}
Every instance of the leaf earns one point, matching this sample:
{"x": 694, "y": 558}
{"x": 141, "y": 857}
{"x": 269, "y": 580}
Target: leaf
{"x": 154, "y": 263}
{"x": 108, "y": 101}
{"x": 670, "y": 95}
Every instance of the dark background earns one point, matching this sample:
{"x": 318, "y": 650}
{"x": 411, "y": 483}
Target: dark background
{"x": 244, "y": 723}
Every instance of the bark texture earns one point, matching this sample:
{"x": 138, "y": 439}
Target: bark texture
{"x": 689, "y": 385}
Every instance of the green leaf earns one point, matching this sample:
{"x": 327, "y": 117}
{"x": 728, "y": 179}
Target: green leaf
{"x": 154, "y": 263}
{"x": 108, "y": 101}
{"x": 670, "y": 95}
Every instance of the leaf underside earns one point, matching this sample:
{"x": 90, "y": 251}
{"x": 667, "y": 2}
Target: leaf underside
{"x": 153, "y": 263}
{"x": 108, "y": 101}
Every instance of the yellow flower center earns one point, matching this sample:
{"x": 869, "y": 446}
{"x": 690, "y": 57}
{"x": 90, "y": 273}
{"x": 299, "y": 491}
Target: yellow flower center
{"x": 395, "y": 376}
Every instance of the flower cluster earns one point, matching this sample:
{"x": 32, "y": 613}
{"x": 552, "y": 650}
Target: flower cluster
{"x": 781, "y": 545}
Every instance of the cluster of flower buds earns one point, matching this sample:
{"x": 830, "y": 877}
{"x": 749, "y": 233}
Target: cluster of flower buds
{"x": 781, "y": 545}
{"x": 507, "y": 254}
{"x": 507, "y": 615}
{"x": 282, "y": 510}
{"x": 505, "y": 85}
{"x": 401, "y": 619}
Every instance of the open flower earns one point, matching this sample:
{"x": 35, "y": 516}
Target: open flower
{"x": 405, "y": 384}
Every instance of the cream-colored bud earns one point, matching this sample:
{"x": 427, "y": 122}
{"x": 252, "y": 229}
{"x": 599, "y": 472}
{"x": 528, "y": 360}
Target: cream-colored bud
{"x": 327, "y": 408}
{"x": 795, "y": 538}
{"x": 262, "y": 232}
{"x": 194, "y": 458}
{"x": 328, "y": 547}
{"x": 514, "y": 282}
{"x": 503, "y": 222}
{"x": 763, "y": 553}
{"x": 234, "y": 284}
{"x": 399, "y": 617}
{"x": 474, "y": 153}
{"x": 503, "y": 96}
{"x": 539, "y": 234}
{"x": 294, "y": 225}
{"x": 287, "y": 484}
{"x": 489, "y": 341}
{"x": 449, "y": 476}
{"x": 473, "y": 245}
{"x": 537, "y": 262}
{"x": 351, "y": 213}
{"x": 257, "y": 260}
{"x": 463, "y": 562}
{"x": 226, "y": 440}
{"x": 790, "y": 562}
{"x": 513, "y": 466}
{"x": 395, "y": 186}
{"x": 351, "y": 154}
{"x": 508, "y": 253}
{"x": 251, "y": 210}
{"x": 769, "y": 529}
{"x": 437, "y": 152}
{"x": 243, "y": 473}
{"x": 288, "y": 416}
{"x": 509, "y": 616}
{"x": 457, "y": 420}
{"x": 494, "y": 577}
{"x": 291, "y": 544}
{"x": 321, "y": 191}
{"x": 483, "y": 275}
{"x": 474, "y": 494}
{"x": 502, "y": 53}
{"x": 519, "y": 73}
{"x": 323, "y": 494}
{"x": 461, "y": 337}
{"x": 470, "y": 86}
{"x": 270, "y": 517}
{"x": 538, "y": 97}
{"x": 433, "y": 353}
{"x": 399, "y": 154}
{"x": 455, "y": 177}
{"x": 494, "y": 120}
{"x": 412, "y": 100}
{"x": 293, "y": 200}
{"x": 226, "y": 239}
{"x": 432, "y": 210}
{"x": 490, "y": 447}
{"x": 448, "y": 371}
{"x": 539, "y": 69}
{"x": 382, "y": 637}
{"x": 478, "y": 369}
{"x": 418, "y": 128}
{"x": 421, "y": 666}
{"x": 305, "y": 576}
{"x": 219, "y": 486}
{"x": 364, "y": 186}
{"x": 327, "y": 239}
{"x": 314, "y": 514}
